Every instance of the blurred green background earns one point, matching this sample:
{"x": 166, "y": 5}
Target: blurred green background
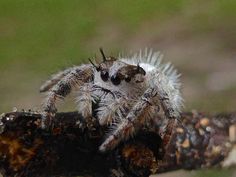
{"x": 39, "y": 38}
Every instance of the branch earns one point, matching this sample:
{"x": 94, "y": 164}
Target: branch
{"x": 70, "y": 147}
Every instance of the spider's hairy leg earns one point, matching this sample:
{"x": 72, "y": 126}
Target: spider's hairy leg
{"x": 85, "y": 99}
{"x": 139, "y": 115}
{"x": 76, "y": 77}
{"x": 55, "y": 78}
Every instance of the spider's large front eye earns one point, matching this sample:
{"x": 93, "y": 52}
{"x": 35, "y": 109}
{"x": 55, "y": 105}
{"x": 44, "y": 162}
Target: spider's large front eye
{"x": 104, "y": 75}
{"x": 115, "y": 80}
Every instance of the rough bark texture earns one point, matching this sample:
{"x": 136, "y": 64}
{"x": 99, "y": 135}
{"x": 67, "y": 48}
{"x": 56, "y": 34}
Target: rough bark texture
{"x": 70, "y": 147}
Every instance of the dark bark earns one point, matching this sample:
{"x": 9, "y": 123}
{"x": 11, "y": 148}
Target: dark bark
{"x": 70, "y": 147}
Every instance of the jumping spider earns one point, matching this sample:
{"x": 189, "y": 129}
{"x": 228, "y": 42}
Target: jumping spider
{"x": 131, "y": 93}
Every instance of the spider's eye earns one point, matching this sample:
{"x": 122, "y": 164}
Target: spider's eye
{"x": 127, "y": 78}
{"x": 104, "y": 75}
{"x": 115, "y": 80}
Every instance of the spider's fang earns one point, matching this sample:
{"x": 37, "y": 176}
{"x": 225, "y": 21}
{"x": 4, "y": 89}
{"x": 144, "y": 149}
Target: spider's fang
{"x": 103, "y": 55}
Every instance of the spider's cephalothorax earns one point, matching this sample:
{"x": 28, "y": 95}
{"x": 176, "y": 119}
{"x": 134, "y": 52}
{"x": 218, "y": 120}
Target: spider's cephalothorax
{"x": 130, "y": 93}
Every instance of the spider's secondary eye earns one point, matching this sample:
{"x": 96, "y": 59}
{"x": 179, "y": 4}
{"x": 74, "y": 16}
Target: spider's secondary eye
{"x": 127, "y": 79}
{"x": 104, "y": 75}
{"x": 115, "y": 80}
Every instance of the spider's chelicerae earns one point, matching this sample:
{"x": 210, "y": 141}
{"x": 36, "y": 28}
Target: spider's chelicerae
{"x": 130, "y": 93}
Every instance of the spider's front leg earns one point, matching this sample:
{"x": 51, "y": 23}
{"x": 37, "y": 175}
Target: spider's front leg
{"x": 76, "y": 77}
{"x": 54, "y": 80}
{"x": 141, "y": 113}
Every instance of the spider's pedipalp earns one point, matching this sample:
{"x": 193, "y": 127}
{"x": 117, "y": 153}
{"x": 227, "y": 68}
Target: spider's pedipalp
{"x": 54, "y": 80}
{"x": 110, "y": 109}
{"x": 76, "y": 77}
